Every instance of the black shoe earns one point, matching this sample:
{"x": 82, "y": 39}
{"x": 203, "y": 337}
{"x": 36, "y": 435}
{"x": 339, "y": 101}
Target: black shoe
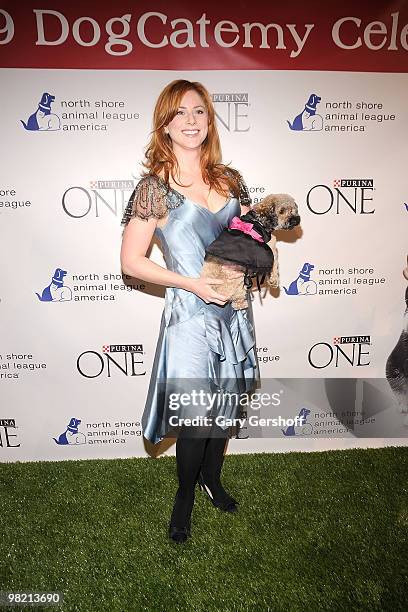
{"x": 179, "y": 534}
{"x": 180, "y": 523}
{"x": 223, "y": 501}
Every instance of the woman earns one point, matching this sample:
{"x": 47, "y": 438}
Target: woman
{"x": 186, "y": 198}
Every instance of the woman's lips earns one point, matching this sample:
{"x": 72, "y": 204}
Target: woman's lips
{"x": 190, "y": 133}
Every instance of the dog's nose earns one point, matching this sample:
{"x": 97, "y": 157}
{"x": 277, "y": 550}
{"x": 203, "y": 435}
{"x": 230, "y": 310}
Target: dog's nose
{"x": 293, "y": 221}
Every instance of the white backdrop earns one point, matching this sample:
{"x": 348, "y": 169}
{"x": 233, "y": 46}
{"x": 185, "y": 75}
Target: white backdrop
{"x": 60, "y": 209}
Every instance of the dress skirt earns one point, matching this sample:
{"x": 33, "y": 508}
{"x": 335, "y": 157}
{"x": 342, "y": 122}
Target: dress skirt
{"x": 203, "y": 368}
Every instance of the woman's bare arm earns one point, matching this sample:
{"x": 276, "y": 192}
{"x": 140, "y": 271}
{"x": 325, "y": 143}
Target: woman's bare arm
{"x": 136, "y": 240}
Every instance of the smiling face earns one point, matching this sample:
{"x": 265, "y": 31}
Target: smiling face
{"x": 189, "y": 128}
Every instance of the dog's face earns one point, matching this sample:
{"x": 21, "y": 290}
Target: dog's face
{"x": 74, "y": 423}
{"x": 59, "y": 274}
{"x": 277, "y": 211}
{"x": 314, "y": 100}
{"x": 307, "y": 268}
{"x": 47, "y": 99}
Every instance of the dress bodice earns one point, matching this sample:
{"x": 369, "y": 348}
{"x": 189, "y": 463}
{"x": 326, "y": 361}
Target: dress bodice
{"x": 188, "y": 231}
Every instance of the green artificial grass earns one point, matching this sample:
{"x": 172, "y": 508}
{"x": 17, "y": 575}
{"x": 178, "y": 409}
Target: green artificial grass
{"x": 314, "y": 531}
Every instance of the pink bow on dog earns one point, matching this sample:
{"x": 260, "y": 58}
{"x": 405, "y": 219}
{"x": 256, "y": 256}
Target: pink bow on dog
{"x": 247, "y": 228}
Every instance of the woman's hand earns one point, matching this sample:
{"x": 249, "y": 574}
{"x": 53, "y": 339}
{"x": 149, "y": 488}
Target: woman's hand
{"x": 202, "y": 288}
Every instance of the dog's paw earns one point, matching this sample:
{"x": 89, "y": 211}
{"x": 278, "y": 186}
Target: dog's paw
{"x": 239, "y": 305}
{"x": 274, "y": 281}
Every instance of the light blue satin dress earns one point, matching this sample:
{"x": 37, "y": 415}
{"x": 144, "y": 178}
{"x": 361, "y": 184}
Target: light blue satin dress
{"x": 200, "y": 345}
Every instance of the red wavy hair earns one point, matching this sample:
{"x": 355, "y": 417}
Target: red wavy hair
{"x": 159, "y": 153}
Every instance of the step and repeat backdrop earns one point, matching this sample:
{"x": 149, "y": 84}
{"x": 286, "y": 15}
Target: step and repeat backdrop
{"x": 311, "y": 100}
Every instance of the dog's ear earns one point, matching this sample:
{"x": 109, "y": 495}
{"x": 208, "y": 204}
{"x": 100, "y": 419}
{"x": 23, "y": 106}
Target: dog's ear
{"x": 286, "y": 200}
{"x": 266, "y": 205}
{"x": 269, "y": 199}
{"x": 273, "y": 200}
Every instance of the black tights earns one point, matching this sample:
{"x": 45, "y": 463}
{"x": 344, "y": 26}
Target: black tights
{"x": 197, "y": 447}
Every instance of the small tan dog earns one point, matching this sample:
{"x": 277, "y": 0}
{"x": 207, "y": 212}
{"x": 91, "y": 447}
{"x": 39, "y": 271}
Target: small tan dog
{"x": 243, "y": 247}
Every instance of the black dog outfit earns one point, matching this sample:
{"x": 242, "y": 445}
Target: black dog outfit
{"x": 244, "y": 243}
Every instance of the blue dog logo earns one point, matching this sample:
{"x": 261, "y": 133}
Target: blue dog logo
{"x": 71, "y": 435}
{"x": 308, "y": 120}
{"x": 303, "y": 285}
{"x": 304, "y": 429}
{"x": 43, "y": 119}
{"x": 56, "y": 291}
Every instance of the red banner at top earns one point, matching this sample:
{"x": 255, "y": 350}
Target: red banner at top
{"x": 229, "y": 35}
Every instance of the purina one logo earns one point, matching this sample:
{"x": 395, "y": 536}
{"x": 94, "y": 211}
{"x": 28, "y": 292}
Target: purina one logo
{"x": 346, "y": 196}
{"x": 345, "y": 351}
{"x": 122, "y": 359}
{"x": 113, "y": 195}
{"x": 8, "y": 434}
{"x": 231, "y": 110}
